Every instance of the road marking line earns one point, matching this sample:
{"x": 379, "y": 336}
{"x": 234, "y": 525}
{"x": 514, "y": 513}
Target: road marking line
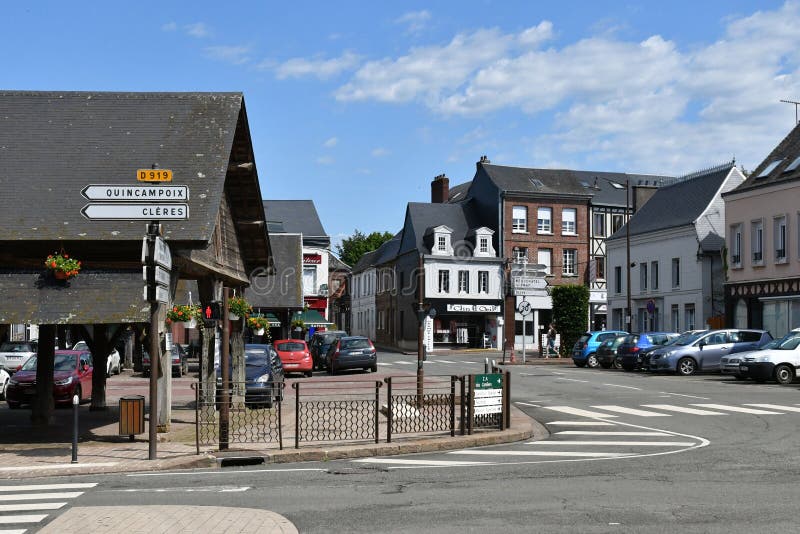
{"x": 737, "y": 409}
{"x": 574, "y": 380}
{"x": 545, "y": 453}
{"x": 682, "y": 409}
{"x": 18, "y": 531}
{"x": 580, "y": 423}
{"x": 600, "y": 433}
{"x": 406, "y": 363}
{"x": 10, "y": 519}
{"x": 776, "y": 407}
{"x": 630, "y": 411}
{"x": 616, "y": 443}
{"x": 578, "y": 411}
{"x": 401, "y": 461}
{"x": 212, "y": 471}
{"x": 38, "y": 487}
{"x": 37, "y": 496}
{"x": 682, "y": 395}
{"x": 527, "y": 404}
{"x": 25, "y": 507}
{"x": 445, "y": 361}
{"x": 626, "y": 387}
{"x": 56, "y": 466}
{"x": 381, "y": 363}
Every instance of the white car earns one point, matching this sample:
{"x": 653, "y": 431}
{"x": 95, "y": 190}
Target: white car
{"x": 4, "y": 377}
{"x": 779, "y": 363}
{"x": 113, "y": 365}
{"x": 13, "y": 354}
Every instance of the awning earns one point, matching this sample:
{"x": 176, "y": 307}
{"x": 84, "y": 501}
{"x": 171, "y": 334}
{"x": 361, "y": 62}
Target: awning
{"x": 273, "y": 320}
{"x": 311, "y": 318}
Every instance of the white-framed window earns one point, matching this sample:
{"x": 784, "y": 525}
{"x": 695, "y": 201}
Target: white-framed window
{"x": 676, "y": 272}
{"x": 519, "y": 219}
{"x": 599, "y": 224}
{"x": 569, "y": 217}
{"x": 444, "y": 281}
{"x": 643, "y": 276}
{"x": 688, "y": 312}
{"x": 544, "y": 220}
{"x": 483, "y": 245}
{"x": 570, "y": 259}
{"x": 599, "y": 268}
{"x": 736, "y": 245}
{"x": 463, "y": 281}
{"x": 617, "y": 220}
{"x": 441, "y": 244}
{"x": 483, "y": 281}
{"x": 310, "y": 280}
{"x": 779, "y": 233}
{"x": 617, "y": 280}
{"x": 676, "y": 318}
{"x": 544, "y": 256}
{"x": 654, "y": 275}
{"x": 520, "y": 254}
{"x": 757, "y": 241}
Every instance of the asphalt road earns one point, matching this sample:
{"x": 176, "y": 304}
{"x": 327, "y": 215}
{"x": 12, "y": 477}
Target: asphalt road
{"x": 627, "y": 452}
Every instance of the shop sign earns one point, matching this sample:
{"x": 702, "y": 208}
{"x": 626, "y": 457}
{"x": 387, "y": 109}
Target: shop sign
{"x": 312, "y": 259}
{"x": 474, "y": 308}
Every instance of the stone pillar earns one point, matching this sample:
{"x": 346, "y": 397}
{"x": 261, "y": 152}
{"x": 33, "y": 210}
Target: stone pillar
{"x": 42, "y": 410}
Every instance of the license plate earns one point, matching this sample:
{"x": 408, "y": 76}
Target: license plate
{"x": 290, "y": 365}
{"x": 30, "y": 392}
{"x": 356, "y": 353}
{"x": 743, "y": 368}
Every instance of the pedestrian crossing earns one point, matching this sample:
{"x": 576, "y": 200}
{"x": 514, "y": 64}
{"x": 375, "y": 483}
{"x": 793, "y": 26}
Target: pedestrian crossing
{"x": 23, "y": 507}
{"x": 611, "y": 411}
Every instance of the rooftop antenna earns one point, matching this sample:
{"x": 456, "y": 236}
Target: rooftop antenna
{"x": 795, "y": 108}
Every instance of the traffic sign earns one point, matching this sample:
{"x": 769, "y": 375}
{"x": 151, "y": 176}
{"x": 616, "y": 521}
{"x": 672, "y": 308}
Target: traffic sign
{"x": 524, "y": 307}
{"x": 162, "y": 255}
{"x": 117, "y": 193}
{"x": 156, "y": 294}
{"x": 155, "y": 275}
{"x": 154, "y": 175}
{"x": 135, "y": 211}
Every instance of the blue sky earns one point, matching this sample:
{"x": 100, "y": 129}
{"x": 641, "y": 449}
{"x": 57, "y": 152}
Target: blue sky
{"x": 358, "y": 105}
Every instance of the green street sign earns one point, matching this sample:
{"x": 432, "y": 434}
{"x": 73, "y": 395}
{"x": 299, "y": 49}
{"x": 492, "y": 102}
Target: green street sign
{"x": 489, "y": 381}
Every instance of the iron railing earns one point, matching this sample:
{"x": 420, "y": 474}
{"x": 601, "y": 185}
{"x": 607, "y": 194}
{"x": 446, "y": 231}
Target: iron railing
{"x": 429, "y": 405}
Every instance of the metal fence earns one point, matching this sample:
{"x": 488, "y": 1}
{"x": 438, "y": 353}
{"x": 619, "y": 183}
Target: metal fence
{"x": 351, "y": 410}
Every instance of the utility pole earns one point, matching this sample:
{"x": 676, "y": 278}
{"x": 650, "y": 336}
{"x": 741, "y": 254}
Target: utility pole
{"x": 628, "y": 208}
{"x": 153, "y": 232}
{"x": 421, "y": 332}
{"x": 225, "y": 358}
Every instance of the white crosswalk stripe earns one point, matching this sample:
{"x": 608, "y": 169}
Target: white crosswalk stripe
{"x": 613, "y": 443}
{"x": 630, "y": 411}
{"x": 596, "y": 433}
{"x": 577, "y": 411}
{"x": 17, "y": 500}
{"x": 776, "y": 407}
{"x": 739, "y": 409}
{"x": 580, "y": 423}
{"x": 682, "y": 409}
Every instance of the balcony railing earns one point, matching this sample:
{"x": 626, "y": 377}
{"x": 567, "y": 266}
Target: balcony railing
{"x": 757, "y": 256}
{"x": 737, "y": 259}
{"x": 780, "y": 253}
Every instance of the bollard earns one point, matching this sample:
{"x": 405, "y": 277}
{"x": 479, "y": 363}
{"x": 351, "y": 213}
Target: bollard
{"x": 75, "y": 402}
{"x": 486, "y": 365}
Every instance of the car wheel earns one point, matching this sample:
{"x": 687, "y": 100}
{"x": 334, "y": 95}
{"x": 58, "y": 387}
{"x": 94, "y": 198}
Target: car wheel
{"x": 579, "y": 364}
{"x": 374, "y": 368}
{"x": 617, "y": 362}
{"x": 5, "y": 388}
{"x": 784, "y": 374}
{"x": 591, "y": 361}
{"x": 308, "y": 374}
{"x": 605, "y": 365}
{"x": 686, "y": 366}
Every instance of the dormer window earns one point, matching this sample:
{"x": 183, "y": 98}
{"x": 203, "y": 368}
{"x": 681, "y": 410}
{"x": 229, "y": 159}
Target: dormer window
{"x": 483, "y": 242}
{"x": 442, "y": 243}
{"x": 484, "y": 245}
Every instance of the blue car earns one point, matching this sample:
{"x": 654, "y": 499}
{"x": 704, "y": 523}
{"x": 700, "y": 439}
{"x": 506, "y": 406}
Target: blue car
{"x": 263, "y": 377}
{"x": 584, "y": 353}
{"x": 633, "y": 352}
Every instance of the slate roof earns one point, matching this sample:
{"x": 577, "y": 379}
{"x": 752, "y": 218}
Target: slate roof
{"x": 679, "y": 204}
{"x": 787, "y": 152}
{"x": 284, "y": 288}
{"x": 53, "y": 144}
{"x": 388, "y": 250}
{"x": 421, "y": 217}
{"x": 365, "y": 261}
{"x": 297, "y": 217}
{"x": 459, "y": 192}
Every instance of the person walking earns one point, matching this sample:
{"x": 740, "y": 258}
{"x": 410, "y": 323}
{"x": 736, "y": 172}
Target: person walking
{"x": 551, "y": 340}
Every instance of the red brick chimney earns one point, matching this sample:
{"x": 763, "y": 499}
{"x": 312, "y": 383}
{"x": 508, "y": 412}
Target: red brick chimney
{"x": 440, "y": 189}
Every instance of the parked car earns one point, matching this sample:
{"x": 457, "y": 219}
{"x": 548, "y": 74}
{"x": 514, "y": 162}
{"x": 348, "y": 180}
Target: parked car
{"x": 4, "y": 377}
{"x": 352, "y": 352}
{"x": 295, "y": 356}
{"x": 263, "y": 376}
{"x": 703, "y": 352}
{"x": 320, "y": 343}
{"x": 13, "y": 354}
{"x": 632, "y": 351}
{"x": 729, "y": 365}
{"x": 584, "y": 352}
{"x": 72, "y": 375}
{"x": 607, "y": 352}
{"x": 180, "y": 363}
{"x": 779, "y": 363}
{"x": 113, "y": 364}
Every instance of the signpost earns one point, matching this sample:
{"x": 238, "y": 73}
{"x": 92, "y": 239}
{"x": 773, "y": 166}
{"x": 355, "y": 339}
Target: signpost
{"x": 524, "y": 308}
{"x": 117, "y": 192}
{"x": 108, "y": 211}
{"x": 487, "y": 396}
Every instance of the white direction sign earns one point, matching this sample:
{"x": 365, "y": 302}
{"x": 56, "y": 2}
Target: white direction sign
{"x": 134, "y": 211}
{"x": 162, "y": 275}
{"x": 162, "y": 255}
{"x": 122, "y": 193}
{"x": 162, "y": 295}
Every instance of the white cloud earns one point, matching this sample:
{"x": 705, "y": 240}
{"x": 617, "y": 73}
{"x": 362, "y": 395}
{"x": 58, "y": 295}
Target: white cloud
{"x": 237, "y": 55}
{"x": 415, "y": 21}
{"x": 198, "y": 29}
{"x": 169, "y": 27}
{"x": 652, "y": 103}
{"x": 379, "y": 152}
{"x": 321, "y": 68}
{"x": 330, "y": 143}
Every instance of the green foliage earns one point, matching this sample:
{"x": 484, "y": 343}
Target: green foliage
{"x": 358, "y": 244}
{"x": 570, "y": 313}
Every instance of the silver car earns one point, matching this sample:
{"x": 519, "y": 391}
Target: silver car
{"x": 13, "y": 354}
{"x": 704, "y": 351}
{"x": 729, "y": 365}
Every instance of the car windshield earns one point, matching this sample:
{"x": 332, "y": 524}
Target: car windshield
{"x": 256, "y": 357}
{"x": 15, "y": 347}
{"x": 632, "y": 339}
{"x": 584, "y": 338}
{"x": 291, "y": 346}
{"x": 355, "y": 344}
{"x": 789, "y": 341}
{"x": 685, "y": 339}
{"x": 63, "y": 362}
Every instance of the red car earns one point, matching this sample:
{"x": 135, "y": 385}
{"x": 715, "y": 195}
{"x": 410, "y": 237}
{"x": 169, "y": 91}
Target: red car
{"x": 72, "y": 375}
{"x": 295, "y": 356}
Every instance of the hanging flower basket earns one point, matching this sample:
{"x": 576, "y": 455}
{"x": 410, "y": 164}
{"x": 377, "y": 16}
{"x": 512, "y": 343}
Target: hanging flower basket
{"x": 258, "y": 324}
{"x": 181, "y": 313}
{"x": 238, "y": 308}
{"x": 62, "y": 266}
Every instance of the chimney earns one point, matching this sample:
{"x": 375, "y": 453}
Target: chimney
{"x": 440, "y": 189}
{"x": 483, "y": 160}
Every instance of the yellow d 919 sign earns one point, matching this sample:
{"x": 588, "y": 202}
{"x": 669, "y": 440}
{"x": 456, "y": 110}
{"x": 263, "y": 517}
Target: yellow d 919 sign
{"x": 154, "y": 175}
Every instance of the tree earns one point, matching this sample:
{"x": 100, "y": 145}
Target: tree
{"x": 358, "y": 244}
{"x": 570, "y": 312}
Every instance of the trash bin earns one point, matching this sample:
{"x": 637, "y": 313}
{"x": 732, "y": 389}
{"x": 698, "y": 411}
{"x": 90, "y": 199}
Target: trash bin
{"x": 131, "y": 415}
